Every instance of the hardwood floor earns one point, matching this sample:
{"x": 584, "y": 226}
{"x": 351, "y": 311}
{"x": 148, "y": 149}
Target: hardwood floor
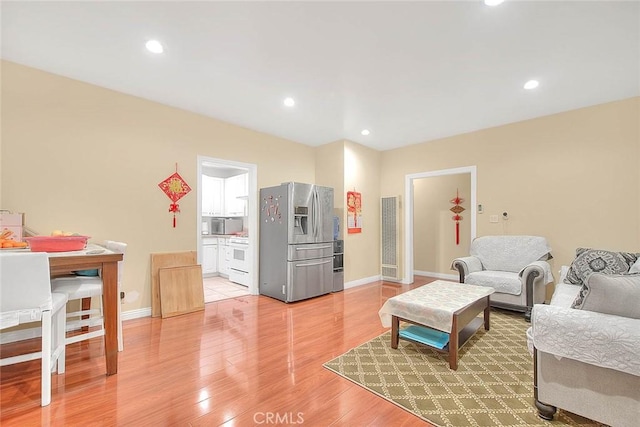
{"x": 250, "y": 360}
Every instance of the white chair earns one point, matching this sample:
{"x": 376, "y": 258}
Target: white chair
{"x": 84, "y": 288}
{"x": 515, "y": 267}
{"x": 26, "y": 297}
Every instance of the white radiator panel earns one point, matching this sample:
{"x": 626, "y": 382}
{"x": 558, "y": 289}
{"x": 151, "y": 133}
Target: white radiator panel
{"x": 390, "y": 232}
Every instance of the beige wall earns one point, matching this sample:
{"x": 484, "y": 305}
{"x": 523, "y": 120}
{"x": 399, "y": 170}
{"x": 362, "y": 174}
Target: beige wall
{"x": 571, "y": 177}
{"x": 81, "y": 158}
{"x": 345, "y": 166}
{"x": 330, "y": 173}
{"x": 85, "y": 159}
{"x": 434, "y": 237}
{"x": 362, "y": 250}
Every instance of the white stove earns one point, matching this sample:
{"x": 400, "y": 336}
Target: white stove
{"x": 237, "y": 240}
{"x": 240, "y": 264}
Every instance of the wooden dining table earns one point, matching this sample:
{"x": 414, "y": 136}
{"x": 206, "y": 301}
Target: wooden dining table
{"x": 97, "y": 257}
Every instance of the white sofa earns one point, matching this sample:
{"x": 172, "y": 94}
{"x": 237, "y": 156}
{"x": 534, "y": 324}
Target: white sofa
{"x": 515, "y": 267}
{"x": 587, "y": 360}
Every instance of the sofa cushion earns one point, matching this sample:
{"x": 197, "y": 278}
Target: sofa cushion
{"x": 635, "y": 268}
{"x": 564, "y": 295}
{"x": 590, "y": 261}
{"x": 563, "y": 273}
{"x": 502, "y": 281}
{"x": 611, "y": 294}
{"x": 509, "y": 253}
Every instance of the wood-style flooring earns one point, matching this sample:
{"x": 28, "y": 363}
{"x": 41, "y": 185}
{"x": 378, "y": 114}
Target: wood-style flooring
{"x": 246, "y": 361}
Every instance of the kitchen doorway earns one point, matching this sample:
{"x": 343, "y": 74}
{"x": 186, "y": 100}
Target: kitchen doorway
{"x": 409, "y": 212}
{"x": 222, "y": 173}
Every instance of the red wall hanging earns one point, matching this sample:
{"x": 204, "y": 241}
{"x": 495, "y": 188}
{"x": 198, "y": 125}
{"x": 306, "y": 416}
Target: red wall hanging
{"x": 457, "y": 209}
{"x": 354, "y": 212}
{"x": 175, "y": 188}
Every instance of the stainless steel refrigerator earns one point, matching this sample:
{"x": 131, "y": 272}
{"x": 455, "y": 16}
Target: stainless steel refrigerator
{"x": 296, "y": 241}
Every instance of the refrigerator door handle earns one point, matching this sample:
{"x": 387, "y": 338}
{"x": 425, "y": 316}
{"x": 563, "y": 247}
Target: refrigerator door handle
{"x": 309, "y": 264}
{"x": 315, "y": 193}
{"x": 315, "y": 212}
{"x": 314, "y": 248}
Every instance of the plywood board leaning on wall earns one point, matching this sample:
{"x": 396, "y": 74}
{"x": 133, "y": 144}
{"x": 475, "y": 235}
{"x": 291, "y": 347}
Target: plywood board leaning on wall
{"x": 166, "y": 260}
{"x": 181, "y": 290}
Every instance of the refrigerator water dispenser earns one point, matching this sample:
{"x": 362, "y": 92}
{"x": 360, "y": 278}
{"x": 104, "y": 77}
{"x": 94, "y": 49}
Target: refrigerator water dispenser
{"x": 300, "y": 220}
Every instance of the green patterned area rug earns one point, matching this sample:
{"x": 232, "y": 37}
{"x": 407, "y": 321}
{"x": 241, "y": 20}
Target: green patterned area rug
{"x": 493, "y": 385}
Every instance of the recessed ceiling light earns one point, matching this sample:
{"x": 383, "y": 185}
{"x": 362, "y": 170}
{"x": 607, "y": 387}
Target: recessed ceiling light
{"x": 493, "y": 2}
{"x": 154, "y": 46}
{"x": 531, "y": 84}
{"x": 365, "y": 132}
{"x": 289, "y": 102}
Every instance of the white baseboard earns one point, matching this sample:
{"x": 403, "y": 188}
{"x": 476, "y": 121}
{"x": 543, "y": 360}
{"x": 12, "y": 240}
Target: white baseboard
{"x": 136, "y": 314}
{"x": 146, "y": 312}
{"x": 360, "y": 282}
{"x": 444, "y": 276}
{"x": 369, "y": 280}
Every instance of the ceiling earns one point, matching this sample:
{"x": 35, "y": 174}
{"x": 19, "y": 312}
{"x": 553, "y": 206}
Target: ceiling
{"x": 409, "y": 72}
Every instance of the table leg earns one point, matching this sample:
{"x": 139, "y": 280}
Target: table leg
{"x": 395, "y": 324}
{"x": 487, "y": 310}
{"x": 453, "y": 344}
{"x": 110, "y": 301}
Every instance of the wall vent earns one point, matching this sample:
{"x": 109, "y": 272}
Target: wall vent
{"x": 390, "y": 232}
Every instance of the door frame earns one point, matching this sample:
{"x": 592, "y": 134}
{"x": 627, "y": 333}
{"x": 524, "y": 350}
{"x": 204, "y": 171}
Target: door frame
{"x": 252, "y": 170}
{"x": 408, "y": 211}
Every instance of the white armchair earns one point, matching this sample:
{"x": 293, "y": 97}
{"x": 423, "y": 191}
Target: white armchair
{"x": 515, "y": 266}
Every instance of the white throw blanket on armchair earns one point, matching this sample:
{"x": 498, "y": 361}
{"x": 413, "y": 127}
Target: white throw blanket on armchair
{"x": 515, "y": 267}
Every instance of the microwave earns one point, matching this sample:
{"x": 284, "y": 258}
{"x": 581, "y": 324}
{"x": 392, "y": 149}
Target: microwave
{"x": 225, "y": 225}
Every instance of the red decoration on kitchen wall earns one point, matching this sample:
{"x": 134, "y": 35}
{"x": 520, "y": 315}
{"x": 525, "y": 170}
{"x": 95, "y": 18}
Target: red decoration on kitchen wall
{"x": 175, "y": 188}
{"x": 457, "y": 209}
{"x": 354, "y": 212}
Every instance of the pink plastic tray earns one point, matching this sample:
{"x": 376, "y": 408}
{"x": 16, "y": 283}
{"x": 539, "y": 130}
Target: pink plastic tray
{"x": 57, "y": 243}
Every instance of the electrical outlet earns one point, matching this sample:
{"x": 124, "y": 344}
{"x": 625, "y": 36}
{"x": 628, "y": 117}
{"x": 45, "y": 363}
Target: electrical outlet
{"x": 493, "y": 218}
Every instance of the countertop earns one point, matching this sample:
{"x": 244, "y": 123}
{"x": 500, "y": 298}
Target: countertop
{"x": 221, "y": 236}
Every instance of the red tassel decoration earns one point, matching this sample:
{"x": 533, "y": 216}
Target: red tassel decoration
{"x": 174, "y": 207}
{"x": 456, "y": 209}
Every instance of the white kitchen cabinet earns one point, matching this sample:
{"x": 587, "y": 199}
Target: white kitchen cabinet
{"x": 212, "y": 196}
{"x": 209, "y": 256}
{"x": 236, "y": 190}
{"x": 207, "y": 194}
{"x": 224, "y": 257}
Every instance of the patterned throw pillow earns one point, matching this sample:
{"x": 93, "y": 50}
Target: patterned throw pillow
{"x": 590, "y": 261}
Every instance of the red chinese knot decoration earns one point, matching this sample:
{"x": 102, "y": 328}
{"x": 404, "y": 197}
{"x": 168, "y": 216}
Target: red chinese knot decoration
{"x": 175, "y": 188}
{"x": 457, "y": 209}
